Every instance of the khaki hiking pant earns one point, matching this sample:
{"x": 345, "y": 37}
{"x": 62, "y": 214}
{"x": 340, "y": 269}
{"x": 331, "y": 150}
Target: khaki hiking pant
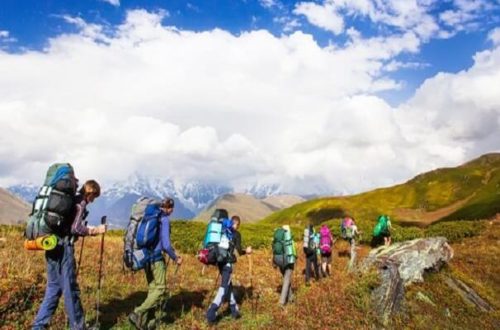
{"x": 155, "y": 275}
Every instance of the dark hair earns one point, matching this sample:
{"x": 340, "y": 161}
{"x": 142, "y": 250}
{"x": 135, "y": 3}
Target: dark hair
{"x": 236, "y": 218}
{"x": 168, "y": 203}
{"x": 90, "y": 187}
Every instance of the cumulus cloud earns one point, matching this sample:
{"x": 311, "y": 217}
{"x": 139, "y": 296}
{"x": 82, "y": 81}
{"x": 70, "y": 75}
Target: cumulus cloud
{"x": 238, "y": 109}
{"x": 324, "y": 16}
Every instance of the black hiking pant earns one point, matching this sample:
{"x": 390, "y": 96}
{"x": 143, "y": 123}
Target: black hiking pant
{"x": 312, "y": 262}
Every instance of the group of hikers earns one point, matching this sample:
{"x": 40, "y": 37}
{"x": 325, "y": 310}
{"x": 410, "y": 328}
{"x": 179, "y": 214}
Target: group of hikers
{"x": 57, "y": 221}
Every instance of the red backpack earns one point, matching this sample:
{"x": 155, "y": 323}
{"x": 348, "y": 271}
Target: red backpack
{"x": 325, "y": 240}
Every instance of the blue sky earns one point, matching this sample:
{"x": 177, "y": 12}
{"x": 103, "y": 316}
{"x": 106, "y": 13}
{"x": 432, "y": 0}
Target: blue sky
{"x": 288, "y": 92}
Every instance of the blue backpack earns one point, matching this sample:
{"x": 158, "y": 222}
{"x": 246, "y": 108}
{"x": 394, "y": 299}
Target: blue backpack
{"x": 143, "y": 234}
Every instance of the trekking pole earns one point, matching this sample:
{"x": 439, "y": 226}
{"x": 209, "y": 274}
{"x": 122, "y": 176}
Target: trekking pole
{"x": 96, "y": 324}
{"x": 81, "y": 252}
{"x": 251, "y": 284}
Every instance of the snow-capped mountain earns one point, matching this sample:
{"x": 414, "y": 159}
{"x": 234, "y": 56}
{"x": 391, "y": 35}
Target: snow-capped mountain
{"x": 116, "y": 200}
{"x": 262, "y": 191}
{"x": 26, "y": 191}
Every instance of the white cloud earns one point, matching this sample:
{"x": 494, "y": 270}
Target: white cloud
{"x": 253, "y": 107}
{"x": 396, "y": 16}
{"x": 269, "y": 3}
{"x": 324, "y": 16}
{"x": 494, "y": 36}
{"x": 5, "y": 37}
{"x": 115, "y": 3}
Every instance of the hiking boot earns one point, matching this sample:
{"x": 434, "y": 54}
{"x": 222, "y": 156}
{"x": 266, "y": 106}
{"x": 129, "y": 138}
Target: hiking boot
{"x": 212, "y": 314}
{"x": 235, "y": 313}
{"x": 136, "y": 320}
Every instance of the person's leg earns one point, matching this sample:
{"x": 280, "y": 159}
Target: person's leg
{"x": 353, "y": 253}
{"x": 225, "y": 271}
{"x": 329, "y": 265}
{"x": 155, "y": 275}
{"x": 235, "y": 311}
{"x": 53, "y": 289}
{"x": 286, "y": 288}
{"x": 71, "y": 291}
{"x": 316, "y": 266}
{"x": 308, "y": 268}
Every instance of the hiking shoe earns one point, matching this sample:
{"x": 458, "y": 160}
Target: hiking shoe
{"x": 136, "y": 320}
{"x": 235, "y": 313}
{"x": 212, "y": 314}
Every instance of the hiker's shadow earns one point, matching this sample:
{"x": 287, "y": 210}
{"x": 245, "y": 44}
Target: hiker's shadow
{"x": 242, "y": 293}
{"x": 181, "y": 303}
{"x": 174, "y": 307}
{"x": 115, "y": 307}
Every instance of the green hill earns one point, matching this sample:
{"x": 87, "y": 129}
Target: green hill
{"x": 467, "y": 192}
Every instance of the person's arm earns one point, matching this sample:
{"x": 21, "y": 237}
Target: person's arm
{"x": 165, "y": 238}
{"x": 77, "y": 227}
{"x": 237, "y": 243}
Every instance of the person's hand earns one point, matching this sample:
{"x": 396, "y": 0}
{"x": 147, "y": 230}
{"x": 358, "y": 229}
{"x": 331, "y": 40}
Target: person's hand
{"x": 101, "y": 229}
{"x": 178, "y": 261}
{"x": 248, "y": 250}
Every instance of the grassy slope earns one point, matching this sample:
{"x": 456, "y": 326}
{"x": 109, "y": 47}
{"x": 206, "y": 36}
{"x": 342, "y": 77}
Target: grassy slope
{"x": 470, "y": 191}
{"x": 341, "y": 301}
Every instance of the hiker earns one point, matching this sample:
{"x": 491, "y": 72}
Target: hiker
{"x": 61, "y": 277}
{"x": 310, "y": 248}
{"x": 349, "y": 232}
{"x": 325, "y": 246}
{"x": 382, "y": 231}
{"x": 225, "y": 265}
{"x": 143, "y": 316}
{"x": 284, "y": 257}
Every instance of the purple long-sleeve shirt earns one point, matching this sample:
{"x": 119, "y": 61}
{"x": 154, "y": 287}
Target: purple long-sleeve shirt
{"x": 77, "y": 227}
{"x": 164, "y": 242}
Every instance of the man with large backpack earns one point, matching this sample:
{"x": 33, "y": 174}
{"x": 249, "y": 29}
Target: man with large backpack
{"x": 152, "y": 237}
{"x": 225, "y": 262}
{"x": 325, "y": 247}
{"x": 284, "y": 257}
{"x": 58, "y": 211}
{"x": 310, "y": 247}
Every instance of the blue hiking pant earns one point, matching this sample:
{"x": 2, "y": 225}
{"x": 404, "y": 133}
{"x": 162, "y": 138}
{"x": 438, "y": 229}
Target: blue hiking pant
{"x": 61, "y": 279}
{"x": 225, "y": 291}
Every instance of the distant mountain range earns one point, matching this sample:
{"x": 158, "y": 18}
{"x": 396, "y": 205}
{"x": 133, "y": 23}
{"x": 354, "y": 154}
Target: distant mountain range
{"x": 13, "y": 210}
{"x": 190, "y": 198}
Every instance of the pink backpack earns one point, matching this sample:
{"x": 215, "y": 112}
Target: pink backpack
{"x": 325, "y": 240}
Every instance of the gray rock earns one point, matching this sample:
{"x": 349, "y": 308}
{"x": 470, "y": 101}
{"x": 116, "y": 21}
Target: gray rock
{"x": 401, "y": 264}
{"x": 468, "y": 294}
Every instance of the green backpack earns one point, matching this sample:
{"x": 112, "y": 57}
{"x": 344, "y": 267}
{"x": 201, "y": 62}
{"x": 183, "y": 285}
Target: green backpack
{"x": 284, "y": 246}
{"x": 381, "y": 225}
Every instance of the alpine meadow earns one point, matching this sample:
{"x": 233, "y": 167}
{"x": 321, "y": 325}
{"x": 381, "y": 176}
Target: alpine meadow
{"x": 250, "y": 164}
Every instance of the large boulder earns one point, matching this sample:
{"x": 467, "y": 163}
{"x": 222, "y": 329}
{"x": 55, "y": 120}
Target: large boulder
{"x": 401, "y": 264}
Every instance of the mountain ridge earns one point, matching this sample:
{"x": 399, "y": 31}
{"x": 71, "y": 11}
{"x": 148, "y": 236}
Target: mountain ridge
{"x": 468, "y": 191}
